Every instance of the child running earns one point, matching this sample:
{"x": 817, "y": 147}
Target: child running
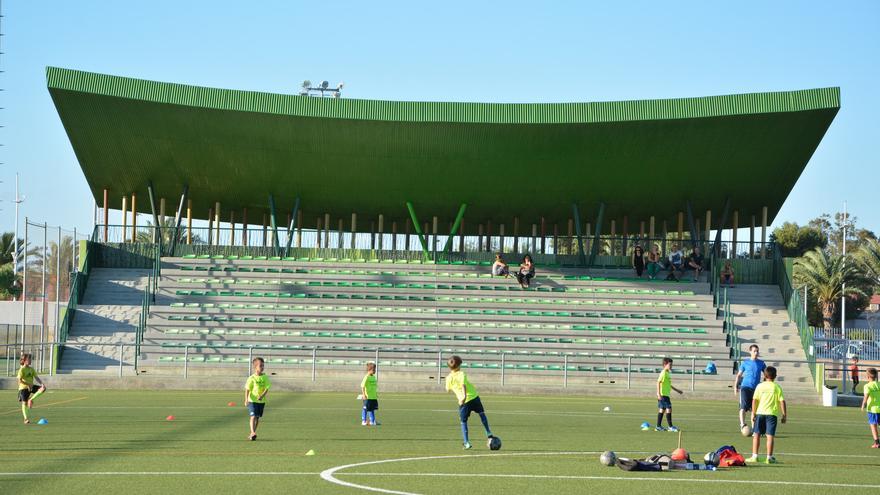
{"x": 854, "y": 374}
{"x": 664, "y": 403}
{"x": 468, "y": 400}
{"x": 767, "y": 405}
{"x": 256, "y": 388}
{"x": 370, "y": 394}
{"x": 27, "y": 391}
{"x": 871, "y": 402}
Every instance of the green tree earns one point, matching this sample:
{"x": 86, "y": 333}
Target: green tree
{"x": 833, "y": 229}
{"x": 145, "y": 234}
{"x": 794, "y": 240}
{"x": 825, "y": 275}
{"x": 10, "y": 287}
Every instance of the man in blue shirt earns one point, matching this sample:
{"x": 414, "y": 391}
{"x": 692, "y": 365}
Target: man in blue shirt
{"x": 751, "y": 372}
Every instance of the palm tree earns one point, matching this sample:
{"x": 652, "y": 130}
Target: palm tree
{"x": 829, "y": 278}
{"x": 55, "y": 255}
{"x": 868, "y": 257}
{"x": 145, "y": 234}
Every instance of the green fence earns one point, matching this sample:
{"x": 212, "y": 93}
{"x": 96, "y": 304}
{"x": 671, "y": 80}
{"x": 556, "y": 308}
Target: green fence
{"x": 794, "y": 302}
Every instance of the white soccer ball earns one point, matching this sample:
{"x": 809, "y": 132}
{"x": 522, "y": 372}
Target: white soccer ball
{"x": 607, "y": 409}
{"x": 608, "y": 458}
{"x": 746, "y": 431}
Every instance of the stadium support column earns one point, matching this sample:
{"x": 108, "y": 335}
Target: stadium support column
{"x": 580, "y": 240}
{"x": 434, "y": 241}
{"x": 292, "y": 226}
{"x": 763, "y": 232}
{"x": 162, "y": 212}
{"x": 178, "y": 218}
{"x": 488, "y": 236}
{"x": 543, "y": 236}
{"x": 447, "y": 249}
{"x": 501, "y": 237}
{"x": 570, "y": 238}
{"x": 210, "y": 226}
{"x": 189, "y": 220}
{"x": 613, "y": 234}
{"x": 556, "y": 238}
{"x": 479, "y": 237}
{"x": 752, "y": 239}
{"x": 217, "y": 222}
{"x": 680, "y": 227}
{"x": 407, "y": 228}
{"x": 587, "y": 239}
{"x": 134, "y": 217}
{"x": 299, "y": 229}
{"x": 156, "y": 227}
{"x": 106, "y": 213}
{"x": 665, "y": 236}
{"x": 326, "y": 230}
{"x": 650, "y": 231}
{"x": 534, "y": 247}
{"x": 625, "y": 234}
{"x": 381, "y": 242}
{"x": 731, "y": 253}
{"x": 418, "y": 229}
{"x": 708, "y": 230}
{"x": 125, "y": 218}
{"x": 461, "y": 236}
{"x": 717, "y": 247}
{"x": 394, "y": 237}
{"x": 273, "y": 221}
{"x": 244, "y": 227}
{"x": 515, "y": 234}
{"x": 231, "y": 227}
{"x": 339, "y": 233}
{"x": 595, "y": 248}
{"x": 692, "y": 227}
{"x": 354, "y": 219}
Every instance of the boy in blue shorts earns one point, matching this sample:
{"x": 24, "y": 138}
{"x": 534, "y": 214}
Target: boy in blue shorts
{"x": 871, "y": 402}
{"x": 664, "y": 403}
{"x": 370, "y": 394}
{"x": 747, "y": 379}
{"x": 256, "y": 388}
{"x": 768, "y": 405}
{"x": 468, "y": 399}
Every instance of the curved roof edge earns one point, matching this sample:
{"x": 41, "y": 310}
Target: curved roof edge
{"x": 444, "y": 112}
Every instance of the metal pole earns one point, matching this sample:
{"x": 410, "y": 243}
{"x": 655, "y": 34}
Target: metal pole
{"x": 565, "y": 371}
{"x": 805, "y": 300}
{"x": 250, "y": 359}
{"x": 439, "y": 365}
{"x": 693, "y": 372}
{"x": 377, "y": 362}
{"x": 51, "y": 360}
{"x": 629, "y": 368}
{"x": 43, "y": 290}
{"x": 120, "y": 360}
{"x": 58, "y": 281}
{"x": 24, "y": 286}
{"x": 185, "y": 361}
{"x": 314, "y": 361}
{"x": 502, "y": 369}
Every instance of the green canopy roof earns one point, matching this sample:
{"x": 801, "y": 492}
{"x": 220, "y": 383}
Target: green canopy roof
{"x": 340, "y": 156}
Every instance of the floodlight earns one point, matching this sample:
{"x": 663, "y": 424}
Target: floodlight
{"x": 325, "y": 84}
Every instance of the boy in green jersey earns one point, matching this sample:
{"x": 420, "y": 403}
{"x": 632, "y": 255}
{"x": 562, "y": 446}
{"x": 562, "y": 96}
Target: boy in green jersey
{"x": 664, "y": 403}
{"x": 370, "y": 395}
{"x": 871, "y": 402}
{"x": 27, "y": 391}
{"x": 256, "y": 388}
{"x": 768, "y": 404}
{"x": 468, "y": 399}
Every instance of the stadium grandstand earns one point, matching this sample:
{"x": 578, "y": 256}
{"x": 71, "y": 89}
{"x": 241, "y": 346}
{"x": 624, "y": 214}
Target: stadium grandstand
{"x": 323, "y": 233}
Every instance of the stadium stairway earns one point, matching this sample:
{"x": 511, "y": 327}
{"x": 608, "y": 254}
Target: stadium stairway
{"x": 109, "y": 313}
{"x": 762, "y": 318}
{"x": 569, "y": 326}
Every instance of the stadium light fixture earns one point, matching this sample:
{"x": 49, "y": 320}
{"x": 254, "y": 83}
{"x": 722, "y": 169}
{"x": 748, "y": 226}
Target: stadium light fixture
{"x": 323, "y": 89}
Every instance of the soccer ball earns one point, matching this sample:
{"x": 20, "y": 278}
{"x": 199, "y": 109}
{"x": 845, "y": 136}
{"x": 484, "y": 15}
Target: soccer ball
{"x": 608, "y": 458}
{"x": 494, "y": 443}
{"x": 746, "y": 431}
{"x": 711, "y": 459}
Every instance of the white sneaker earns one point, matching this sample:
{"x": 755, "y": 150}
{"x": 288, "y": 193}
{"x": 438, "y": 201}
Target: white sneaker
{"x": 364, "y": 423}
{"x": 753, "y": 458}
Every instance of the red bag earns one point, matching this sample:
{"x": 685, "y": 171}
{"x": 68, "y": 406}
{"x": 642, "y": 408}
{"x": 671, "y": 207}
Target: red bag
{"x": 730, "y": 457}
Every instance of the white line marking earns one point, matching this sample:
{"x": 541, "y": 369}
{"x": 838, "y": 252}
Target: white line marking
{"x": 330, "y": 474}
{"x": 621, "y": 478}
{"x": 159, "y": 473}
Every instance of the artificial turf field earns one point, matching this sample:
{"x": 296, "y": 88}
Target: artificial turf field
{"x": 120, "y": 442}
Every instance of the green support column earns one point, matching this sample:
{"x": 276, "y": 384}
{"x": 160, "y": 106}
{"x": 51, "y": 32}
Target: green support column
{"x": 292, "y": 226}
{"x": 577, "y": 229}
{"x": 418, "y": 228}
{"x": 274, "y": 223}
{"x": 157, "y": 227}
{"x": 455, "y": 225}
{"x": 595, "y": 248}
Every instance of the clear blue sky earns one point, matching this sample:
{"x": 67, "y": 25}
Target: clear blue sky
{"x": 463, "y": 51}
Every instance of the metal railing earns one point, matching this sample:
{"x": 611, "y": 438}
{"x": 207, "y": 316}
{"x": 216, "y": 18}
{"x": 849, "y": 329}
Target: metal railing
{"x": 149, "y": 298}
{"x": 795, "y": 305}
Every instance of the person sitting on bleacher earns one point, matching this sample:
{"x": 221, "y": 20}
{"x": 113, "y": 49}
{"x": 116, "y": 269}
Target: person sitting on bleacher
{"x": 500, "y": 268}
{"x": 526, "y": 272}
{"x": 676, "y": 260}
{"x": 695, "y": 263}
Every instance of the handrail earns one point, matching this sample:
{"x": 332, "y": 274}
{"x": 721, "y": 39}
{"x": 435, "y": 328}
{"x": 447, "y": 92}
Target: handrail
{"x": 150, "y": 290}
{"x": 795, "y": 305}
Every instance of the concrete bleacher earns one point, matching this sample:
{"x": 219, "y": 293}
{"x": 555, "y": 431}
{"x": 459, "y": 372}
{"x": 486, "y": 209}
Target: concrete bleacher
{"x": 336, "y": 314}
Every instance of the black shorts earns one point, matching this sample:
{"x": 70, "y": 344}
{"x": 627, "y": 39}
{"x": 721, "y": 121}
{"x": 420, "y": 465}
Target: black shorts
{"x": 25, "y": 393}
{"x": 764, "y": 425}
{"x": 745, "y": 398}
{"x": 371, "y": 404}
{"x": 465, "y": 410}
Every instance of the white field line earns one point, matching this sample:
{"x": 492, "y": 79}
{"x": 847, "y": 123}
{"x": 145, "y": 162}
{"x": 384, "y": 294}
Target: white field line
{"x": 331, "y": 473}
{"x": 159, "y": 473}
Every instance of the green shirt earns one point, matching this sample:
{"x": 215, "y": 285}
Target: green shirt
{"x": 872, "y": 392}
{"x": 256, "y": 386}
{"x": 455, "y": 381}
{"x": 769, "y": 397}
{"x": 371, "y": 386}
{"x": 26, "y": 374}
{"x": 665, "y": 381}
